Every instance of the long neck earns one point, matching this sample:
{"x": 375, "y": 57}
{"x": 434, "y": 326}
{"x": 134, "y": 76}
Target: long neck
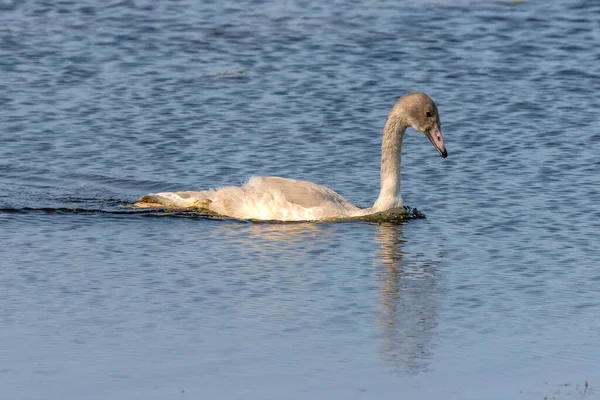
{"x": 391, "y": 152}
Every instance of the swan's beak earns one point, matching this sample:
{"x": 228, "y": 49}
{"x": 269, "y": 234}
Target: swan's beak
{"x": 435, "y": 137}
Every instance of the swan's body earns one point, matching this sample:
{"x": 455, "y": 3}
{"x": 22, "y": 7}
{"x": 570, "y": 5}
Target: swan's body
{"x": 282, "y": 199}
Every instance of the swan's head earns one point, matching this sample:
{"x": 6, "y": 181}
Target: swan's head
{"x": 422, "y": 114}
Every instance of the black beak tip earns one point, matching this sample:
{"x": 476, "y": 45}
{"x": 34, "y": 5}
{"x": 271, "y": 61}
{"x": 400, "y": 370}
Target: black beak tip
{"x": 444, "y": 153}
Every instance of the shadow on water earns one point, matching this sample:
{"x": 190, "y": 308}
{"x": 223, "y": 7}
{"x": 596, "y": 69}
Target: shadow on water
{"x": 407, "y": 313}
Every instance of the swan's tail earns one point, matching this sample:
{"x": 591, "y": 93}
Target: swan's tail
{"x": 201, "y": 199}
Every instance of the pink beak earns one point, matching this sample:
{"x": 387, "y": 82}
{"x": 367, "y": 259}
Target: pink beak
{"x": 435, "y": 137}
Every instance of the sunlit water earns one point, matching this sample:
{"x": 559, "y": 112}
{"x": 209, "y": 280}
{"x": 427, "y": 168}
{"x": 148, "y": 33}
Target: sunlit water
{"x": 493, "y": 296}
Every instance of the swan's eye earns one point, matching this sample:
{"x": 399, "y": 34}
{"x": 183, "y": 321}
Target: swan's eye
{"x": 428, "y": 114}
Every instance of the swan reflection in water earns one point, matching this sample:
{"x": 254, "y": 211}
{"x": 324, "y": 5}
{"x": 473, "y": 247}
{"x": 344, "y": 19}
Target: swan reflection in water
{"x": 407, "y": 314}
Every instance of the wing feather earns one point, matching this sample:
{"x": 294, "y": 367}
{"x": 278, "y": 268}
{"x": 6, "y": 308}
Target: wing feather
{"x": 303, "y": 193}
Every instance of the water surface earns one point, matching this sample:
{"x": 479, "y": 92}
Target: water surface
{"x": 493, "y": 296}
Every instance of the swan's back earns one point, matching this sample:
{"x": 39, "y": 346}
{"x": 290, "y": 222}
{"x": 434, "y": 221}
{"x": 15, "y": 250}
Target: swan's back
{"x": 303, "y": 193}
{"x": 262, "y": 198}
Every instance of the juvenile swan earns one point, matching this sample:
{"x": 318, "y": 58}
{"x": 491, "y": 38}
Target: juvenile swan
{"x": 282, "y": 199}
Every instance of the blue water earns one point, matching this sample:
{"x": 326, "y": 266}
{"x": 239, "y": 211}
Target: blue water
{"x": 493, "y": 296}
